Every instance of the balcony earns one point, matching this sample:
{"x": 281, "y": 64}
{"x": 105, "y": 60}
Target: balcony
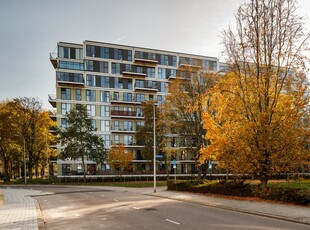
{"x": 123, "y": 113}
{"x": 133, "y": 74}
{"x": 116, "y": 129}
{"x": 52, "y": 100}
{"x": 126, "y": 101}
{"x": 54, "y": 60}
{"x": 152, "y": 88}
{"x": 71, "y": 81}
{"x": 189, "y": 67}
{"x": 52, "y": 115}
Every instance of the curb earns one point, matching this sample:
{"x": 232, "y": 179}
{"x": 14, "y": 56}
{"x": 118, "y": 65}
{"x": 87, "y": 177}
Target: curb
{"x": 232, "y": 209}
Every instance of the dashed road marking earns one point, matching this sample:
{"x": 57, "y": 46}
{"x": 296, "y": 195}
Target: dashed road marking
{"x": 136, "y": 208}
{"x": 171, "y": 221}
{"x": 102, "y": 195}
{"x": 115, "y": 200}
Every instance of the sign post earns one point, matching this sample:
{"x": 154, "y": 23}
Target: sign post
{"x": 175, "y": 169}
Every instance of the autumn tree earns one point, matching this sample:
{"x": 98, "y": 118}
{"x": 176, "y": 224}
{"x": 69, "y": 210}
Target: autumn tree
{"x": 119, "y": 157}
{"x": 184, "y": 107}
{"x": 79, "y": 140}
{"x": 9, "y": 148}
{"x": 256, "y": 119}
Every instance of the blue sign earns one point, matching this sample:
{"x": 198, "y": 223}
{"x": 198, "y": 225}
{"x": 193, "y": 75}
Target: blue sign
{"x": 174, "y": 162}
{"x": 159, "y": 156}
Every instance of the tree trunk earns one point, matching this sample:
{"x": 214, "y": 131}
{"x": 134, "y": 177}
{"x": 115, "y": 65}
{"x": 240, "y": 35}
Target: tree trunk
{"x": 264, "y": 182}
{"x": 6, "y": 176}
{"x": 84, "y": 169}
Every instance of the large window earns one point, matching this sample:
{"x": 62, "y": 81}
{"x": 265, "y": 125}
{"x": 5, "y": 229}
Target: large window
{"x": 90, "y": 95}
{"x": 71, "y": 65}
{"x": 105, "y": 82}
{"x": 91, "y": 80}
{"x": 128, "y": 139}
{"x": 105, "y": 126}
{"x": 91, "y": 110}
{"x": 140, "y": 97}
{"x": 104, "y": 96}
{"x": 105, "y": 111}
{"x": 69, "y": 52}
{"x": 116, "y": 126}
{"x": 127, "y": 96}
{"x": 64, "y": 123}
{"x": 128, "y": 125}
{"x": 106, "y": 138}
{"x": 65, "y": 94}
{"x": 65, "y": 108}
{"x": 78, "y": 94}
{"x": 116, "y": 68}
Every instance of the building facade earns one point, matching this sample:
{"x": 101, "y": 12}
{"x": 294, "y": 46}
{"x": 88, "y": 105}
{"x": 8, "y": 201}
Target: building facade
{"x": 113, "y": 81}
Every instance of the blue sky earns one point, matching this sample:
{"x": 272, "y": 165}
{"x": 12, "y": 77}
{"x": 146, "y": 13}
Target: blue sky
{"x": 30, "y": 29}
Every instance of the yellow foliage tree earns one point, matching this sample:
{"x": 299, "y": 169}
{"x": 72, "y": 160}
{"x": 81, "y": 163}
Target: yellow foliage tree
{"x": 119, "y": 157}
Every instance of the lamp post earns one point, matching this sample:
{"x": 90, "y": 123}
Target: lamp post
{"x": 154, "y": 132}
{"x": 154, "y": 148}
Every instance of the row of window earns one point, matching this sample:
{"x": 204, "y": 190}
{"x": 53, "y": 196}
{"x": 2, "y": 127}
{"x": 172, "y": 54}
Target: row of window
{"x": 105, "y": 96}
{"x": 108, "y": 53}
{"x": 70, "y": 77}
{"x": 69, "y": 52}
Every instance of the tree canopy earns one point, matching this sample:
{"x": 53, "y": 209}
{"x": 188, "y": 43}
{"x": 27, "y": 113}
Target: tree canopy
{"x": 257, "y": 118}
{"x": 79, "y": 140}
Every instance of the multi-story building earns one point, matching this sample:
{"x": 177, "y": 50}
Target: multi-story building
{"x": 113, "y": 81}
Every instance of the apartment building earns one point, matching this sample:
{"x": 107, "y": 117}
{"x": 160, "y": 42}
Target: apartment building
{"x": 113, "y": 81}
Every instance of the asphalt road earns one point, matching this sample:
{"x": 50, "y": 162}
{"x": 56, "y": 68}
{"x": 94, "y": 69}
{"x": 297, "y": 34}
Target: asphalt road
{"x": 109, "y": 208}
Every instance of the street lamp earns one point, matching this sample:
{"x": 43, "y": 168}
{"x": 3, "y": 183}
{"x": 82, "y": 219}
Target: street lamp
{"x": 25, "y": 178}
{"x": 154, "y": 131}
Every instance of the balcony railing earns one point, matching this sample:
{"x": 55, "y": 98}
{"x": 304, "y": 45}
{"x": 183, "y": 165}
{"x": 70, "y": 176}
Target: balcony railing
{"x": 123, "y": 113}
{"x": 52, "y": 100}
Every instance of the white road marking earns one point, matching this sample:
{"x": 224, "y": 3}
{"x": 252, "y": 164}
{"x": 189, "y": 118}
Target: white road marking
{"x": 136, "y": 208}
{"x": 172, "y": 221}
{"x": 102, "y": 195}
{"x": 115, "y": 200}
{"x": 76, "y": 214}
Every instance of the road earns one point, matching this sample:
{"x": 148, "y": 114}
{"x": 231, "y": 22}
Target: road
{"x": 73, "y": 207}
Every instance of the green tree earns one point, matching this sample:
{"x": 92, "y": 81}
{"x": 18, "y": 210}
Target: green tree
{"x": 79, "y": 140}
{"x": 259, "y": 108}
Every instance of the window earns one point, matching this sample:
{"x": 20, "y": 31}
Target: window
{"x": 105, "y": 111}
{"x": 65, "y": 108}
{"x": 174, "y": 61}
{"x": 150, "y": 72}
{"x": 128, "y": 109}
{"x": 105, "y": 82}
{"x": 103, "y": 67}
{"x": 139, "y": 83}
{"x": 64, "y": 123}
{"x": 104, "y": 52}
{"x": 127, "y": 97}
{"x": 127, "y": 139}
{"x": 78, "y": 94}
{"x": 129, "y": 55}
{"x": 90, "y": 95}
{"x": 79, "y": 54}
{"x": 140, "y": 123}
{"x": 105, "y": 126}
{"x": 116, "y": 68}
{"x": 151, "y": 97}
{"x": 128, "y": 125}
{"x": 115, "y": 96}
{"x": 105, "y": 96}
{"x": 65, "y": 94}
{"x": 91, "y": 110}
{"x": 93, "y": 123}
{"x": 71, "y": 65}
{"x": 173, "y": 72}
{"x": 116, "y": 125}
{"x": 90, "y": 51}
{"x": 106, "y": 138}
{"x": 116, "y": 139}
{"x": 139, "y": 112}
{"x": 91, "y": 80}
{"x": 164, "y": 87}
{"x": 161, "y": 73}
{"x": 89, "y": 65}
{"x": 140, "y": 97}
{"x": 160, "y": 99}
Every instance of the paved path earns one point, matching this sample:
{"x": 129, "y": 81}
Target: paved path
{"x": 19, "y": 210}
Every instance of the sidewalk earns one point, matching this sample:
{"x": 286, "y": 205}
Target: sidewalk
{"x": 19, "y": 210}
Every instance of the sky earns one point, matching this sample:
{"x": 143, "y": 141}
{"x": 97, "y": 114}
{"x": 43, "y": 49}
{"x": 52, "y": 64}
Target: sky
{"x": 30, "y": 30}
